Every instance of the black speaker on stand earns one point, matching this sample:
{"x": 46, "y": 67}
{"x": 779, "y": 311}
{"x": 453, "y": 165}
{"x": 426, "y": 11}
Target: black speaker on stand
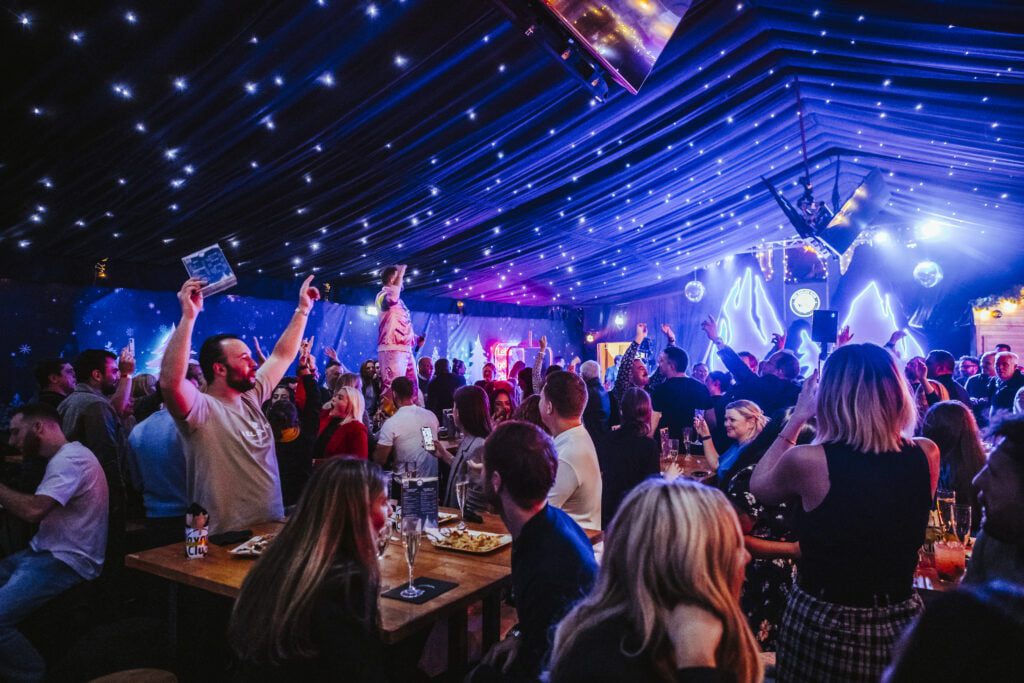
{"x": 824, "y": 330}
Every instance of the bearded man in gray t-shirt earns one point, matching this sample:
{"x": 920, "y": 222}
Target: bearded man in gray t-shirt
{"x": 231, "y": 466}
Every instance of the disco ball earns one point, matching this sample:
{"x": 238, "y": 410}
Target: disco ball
{"x": 694, "y": 291}
{"x": 928, "y": 273}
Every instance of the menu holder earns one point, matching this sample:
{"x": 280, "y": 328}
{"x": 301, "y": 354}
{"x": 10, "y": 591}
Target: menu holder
{"x": 419, "y": 499}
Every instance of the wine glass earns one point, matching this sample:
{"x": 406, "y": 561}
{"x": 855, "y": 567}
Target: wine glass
{"x": 412, "y": 530}
{"x": 962, "y": 522}
{"x": 461, "y": 491}
{"x": 687, "y": 439}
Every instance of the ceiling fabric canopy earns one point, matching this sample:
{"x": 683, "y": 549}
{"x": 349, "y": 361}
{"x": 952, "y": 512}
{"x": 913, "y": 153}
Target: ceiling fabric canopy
{"x": 337, "y": 137}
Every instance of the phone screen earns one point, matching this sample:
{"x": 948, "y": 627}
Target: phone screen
{"x": 428, "y": 439}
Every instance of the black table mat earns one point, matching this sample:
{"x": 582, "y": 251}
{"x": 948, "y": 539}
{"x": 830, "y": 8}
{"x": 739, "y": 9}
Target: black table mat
{"x": 431, "y": 589}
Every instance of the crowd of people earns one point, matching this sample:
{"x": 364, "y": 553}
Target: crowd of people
{"x": 804, "y": 541}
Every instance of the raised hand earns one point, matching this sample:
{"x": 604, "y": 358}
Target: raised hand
{"x": 896, "y": 337}
{"x": 543, "y": 343}
{"x": 126, "y": 362}
{"x": 778, "y": 341}
{"x": 807, "y": 403}
{"x": 307, "y": 295}
{"x": 190, "y": 296}
{"x": 641, "y": 332}
{"x": 710, "y": 327}
{"x": 844, "y": 336}
{"x": 700, "y": 425}
{"x": 331, "y": 354}
{"x": 261, "y": 357}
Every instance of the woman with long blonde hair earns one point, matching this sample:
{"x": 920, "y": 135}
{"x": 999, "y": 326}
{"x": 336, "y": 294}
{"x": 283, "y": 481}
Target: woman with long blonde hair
{"x": 865, "y": 488}
{"x": 308, "y": 608}
{"x": 666, "y": 603}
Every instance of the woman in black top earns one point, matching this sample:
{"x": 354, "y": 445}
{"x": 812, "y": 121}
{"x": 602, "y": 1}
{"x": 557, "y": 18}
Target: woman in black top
{"x": 665, "y": 607}
{"x": 627, "y": 455}
{"x": 865, "y": 490}
{"x": 308, "y": 609}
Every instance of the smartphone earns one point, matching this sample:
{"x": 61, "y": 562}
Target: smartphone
{"x": 428, "y": 439}
{"x": 131, "y": 346}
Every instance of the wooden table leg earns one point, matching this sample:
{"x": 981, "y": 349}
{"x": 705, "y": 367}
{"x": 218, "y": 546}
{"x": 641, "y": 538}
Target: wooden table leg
{"x": 458, "y": 646}
{"x": 492, "y": 620}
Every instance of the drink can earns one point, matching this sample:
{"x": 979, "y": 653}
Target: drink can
{"x": 197, "y": 531}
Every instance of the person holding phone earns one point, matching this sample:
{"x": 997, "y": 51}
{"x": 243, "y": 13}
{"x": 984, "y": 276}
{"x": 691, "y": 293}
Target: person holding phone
{"x": 408, "y": 435}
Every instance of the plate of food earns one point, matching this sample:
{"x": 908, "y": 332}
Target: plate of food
{"x": 254, "y": 547}
{"x": 469, "y": 541}
{"x": 446, "y": 517}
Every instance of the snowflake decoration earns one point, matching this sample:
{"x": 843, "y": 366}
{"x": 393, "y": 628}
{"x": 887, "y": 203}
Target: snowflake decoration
{"x": 130, "y": 332}
{"x": 24, "y": 349}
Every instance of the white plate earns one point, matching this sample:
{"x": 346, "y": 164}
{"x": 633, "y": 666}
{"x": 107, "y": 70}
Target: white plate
{"x": 254, "y": 547}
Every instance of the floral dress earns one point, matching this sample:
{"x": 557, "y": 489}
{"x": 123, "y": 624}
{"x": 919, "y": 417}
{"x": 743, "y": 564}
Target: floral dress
{"x": 768, "y": 581}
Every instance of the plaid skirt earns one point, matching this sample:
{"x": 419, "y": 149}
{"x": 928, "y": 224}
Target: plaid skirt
{"x": 820, "y": 642}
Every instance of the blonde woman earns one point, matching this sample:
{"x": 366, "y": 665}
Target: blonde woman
{"x": 342, "y": 431}
{"x": 666, "y": 604}
{"x": 865, "y": 489}
{"x": 744, "y": 420}
{"x": 308, "y": 609}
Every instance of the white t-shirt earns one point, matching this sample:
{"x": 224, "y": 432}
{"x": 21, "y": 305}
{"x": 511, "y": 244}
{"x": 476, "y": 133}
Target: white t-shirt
{"x": 75, "y": 532}
{"x": 403, "y": 431}
{"x": 577, "y": 488}
{"x": 230, "y": 462}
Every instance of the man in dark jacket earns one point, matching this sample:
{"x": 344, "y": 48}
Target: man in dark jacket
{"x": 940, "y": 368}
{"x": 595, "y": 415}
{"x": 553, "y": 564}
{"x": 56, "y": 379}
{"x": 1007, "y": 382}
{"x": 774, "y": 390}
{"x": 441, "y": 390}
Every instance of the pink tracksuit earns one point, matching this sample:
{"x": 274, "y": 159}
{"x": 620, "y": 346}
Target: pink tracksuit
{"x": 395, "y": 338}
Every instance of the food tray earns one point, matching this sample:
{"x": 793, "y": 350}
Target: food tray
{"x": 469, "y": 541}
{"x": 254, "y": 547}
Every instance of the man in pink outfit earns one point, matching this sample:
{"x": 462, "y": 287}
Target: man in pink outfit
{"x": 395, "y": 338}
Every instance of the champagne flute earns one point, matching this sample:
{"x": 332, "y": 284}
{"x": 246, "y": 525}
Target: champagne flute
{"x": 945, "y": 502}
{"x": 461, "y": 491}
{"x": 962, "y": 521}
{"x": 412, "y": 529}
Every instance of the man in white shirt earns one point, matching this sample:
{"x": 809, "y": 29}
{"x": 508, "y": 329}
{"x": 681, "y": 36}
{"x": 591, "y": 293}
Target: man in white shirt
{"x": 70, "y": 507}
{"x": 230, "y": 461}
{"x": 577, "y": 488}
{"x": 406, "y": 433}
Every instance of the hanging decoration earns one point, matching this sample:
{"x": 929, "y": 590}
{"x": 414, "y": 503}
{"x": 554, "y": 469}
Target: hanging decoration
{"x": 694, "y": 290}
{"x": 765, "y": 255}
{"x": 928, "y": 274}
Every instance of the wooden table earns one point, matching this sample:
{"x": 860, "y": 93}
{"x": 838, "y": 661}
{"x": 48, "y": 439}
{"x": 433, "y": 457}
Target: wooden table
{"x": 480, "y": 578}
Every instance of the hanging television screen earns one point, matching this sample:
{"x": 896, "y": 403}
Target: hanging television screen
{"x": 625, "y": 36}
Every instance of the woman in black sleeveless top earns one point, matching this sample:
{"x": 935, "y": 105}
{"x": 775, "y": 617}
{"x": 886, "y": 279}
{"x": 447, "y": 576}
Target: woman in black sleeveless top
{"x": 865, "y": 490}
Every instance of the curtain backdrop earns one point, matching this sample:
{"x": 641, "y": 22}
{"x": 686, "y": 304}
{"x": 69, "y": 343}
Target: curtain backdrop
{"x": 41, "y": 321}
